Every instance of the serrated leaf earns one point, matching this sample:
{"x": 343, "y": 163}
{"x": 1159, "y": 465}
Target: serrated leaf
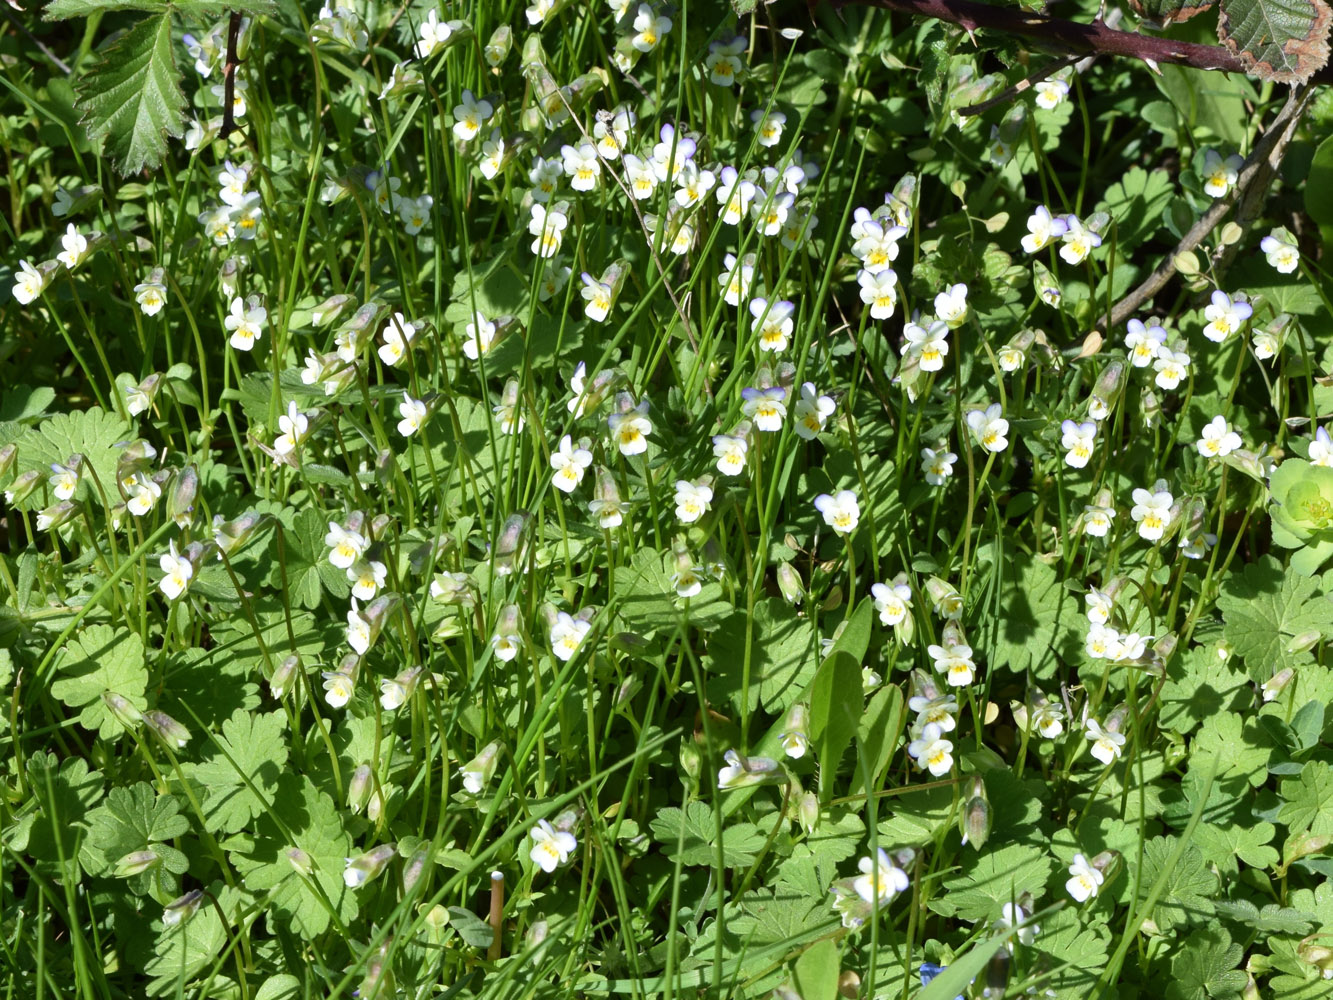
{"x": 64, "y": 793}
{"x": 184, "y": 951}
{"x": 131, "y": 819}
{"x": 1206, "y": 966}
{"x": 59, "y": 10}
{"x": 1185, "y": 896}
{"x": 132, "y": 96}
{"x": 690, "y": 836}
{"x": 102, "y": 660}
{"x": 783, "y": 656}
{"x": 1223, "y": 846}
{"x": 92, "y": 433}
{"x": 992, "y": 879}
{"x": 1308, "y": 800}
{"x": 1037, "y": 617}
{"x": 1282, "y": 40}
{"x": 249, "y": 754}
{"x": 648, "y": 597}
{"x": 220, "y": 8}
{"x": 1136, "y": 202}
{"x": 1263, "y": 608}
{"x": 1272, "y": 919}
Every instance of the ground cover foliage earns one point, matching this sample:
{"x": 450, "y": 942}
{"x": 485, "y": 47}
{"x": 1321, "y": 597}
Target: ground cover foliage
{"x": 601, "y": 499}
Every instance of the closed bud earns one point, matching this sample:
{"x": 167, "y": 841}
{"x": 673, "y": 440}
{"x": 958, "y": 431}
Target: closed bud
{"x": 283, "y": 675}
{"x": 8, "y": 456}
{"x": 1106, "y": 393}
{"x": 57, "y": 514}
{"x": 944, "y": 597}
{"x": 1305, "y": 641}
{"x": 167, "y": 729}
{"x": 182, "y": 908}
{"x": 437, "y": 922}
{"x": 180, "y": 501}
{"x": 416, "y": 867}
{"x": 807, "y": 810}
{"x": 378, "y": 611}
{"x": 976, "y": 820}
{"x": 299, "y": 860}
{"x": 454, "y": 588}
{"x": 952, "y": 634}
{"x": 691, "y": 761}
{"x": 135, "y": 863}
{"x": 1251, "y": 990}
{"x": 1108, "y": 863}
{"x": 477, "y": 772}
{"x": 367, "y": 867}
{"x": 786, "y": 991}
{"x": 497, "y": 48}
{"x": 795, "y": 739}
{"x": 378, "y": 981}
{"x": 359, "y": 788}
{"x": 789, "y": 583}
{"x": 511, "y": 547}
{"x": 1317, "y": 953}
{"x": 231, "y": 535}
{"x": 229, "y": 275}
{"x": 1117, "y": 719}
{"x": 627, "y": 690}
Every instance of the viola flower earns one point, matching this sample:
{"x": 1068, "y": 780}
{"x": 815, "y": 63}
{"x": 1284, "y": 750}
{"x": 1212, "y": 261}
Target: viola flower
{"x": 893, "y": 602}
{"x": 955, "y": 660}
{"x": 1079, "y": 439}
{"x": 741, "y": 772}
{"x": 1220, "y": 175}
{"x": 936, "y": 711}
{"x": 841, "y": 512}
{"x": 232, "y": 181}
{"x": 1107, "y": 746}
{"x": 1048, "y": 720}
{"x": 773, "y": 323}
{"x": 730, "y": 451}
{"x": 1144, "y": 343}
{"x": 766, "y": 407}
{"x": 770, "y": 211}
{"x": 1218, "y": 439}
{"x": 800, "y": 224}
{"x": 878, "y": 291}
{"x": 724, "y": 63}
{"x": 1100, "y": 605}
{"x": 951, "y": 305}
{"x": 1086, "y": 881}
{"x": 142, "y": 493}
{"x": 811, "y": 411}
{"x": 30, "y": 282}
{"x": 1321, "y": 449}
{"x": 598, "y": 297}
{"x": 768, "y": 126}
{"x": 640, "y": 177}
{"x": 737, "y": 279}
{"x": 581, "y": 164}
{"x": 693, "y": 500}
{"x": 989, "y": 427}
{"x": 1225, "y": 316}
{"x": 246, "y": 216}
{"x": 367, "y": 867}
{"x": 178, "y": 572}
{"x": 673, "y": 154}
{"x": 476, "y": 774}
{"x": 538, "y": 12}
{"x": 432, "y": 35}
{"x": 1152, "y": 512}
{"x": 384, "y": 189}
{"x": 414, "y": 413}
{"x": 545, "y": 176}
{"x": 937, "y": 466}
{"x": 567, "y": 635}
{"x": 1050, "y": 93}
{"x": 1172, "y": 367}
{"x": 414, "y": 213}
{"x": 929, "y": 346}
{"x": 367, "y": 577}
{"x": 876, "y": 245}
{"x": 880, "y": 879}
{"x": 649, "y": 28}
{"x": 551, "y": 848}
{"x": 1098, "y": 519}
{"x": 1283, "y": 256}
{"x": 479, "y": 336}
{"x": 1043, "y": 230}
{"x": 611, "y": 130}
{"x": 932, "y": 751}
{"x": 1079, "y": 241}
{"x": 360, "y": 634}
{"x": 151, "y": 294}
{"x": 548, "y": 228}
{"x": 734, "y": 194}
{"x": 246, "y": 324}
{"x": 693, "y": 184}
{"x": 570, "y": 464}
{"x": 65, "y": 478}
{"x": 74, "y": 247}
{"x": 630, "y": 430}
{"x": 1103, "y": 643}
{"x": 494, "y": 153}
{"x": 397, "y": 336}
{"x": 470, "y": 115}
{"x": 345, "y": 546}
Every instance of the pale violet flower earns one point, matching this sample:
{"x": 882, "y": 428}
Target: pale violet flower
{"x": 345, "y": 547}
{"x": 1225, "y": 316}
{"x": 630, "y": 430}
{"x": 932, "y": 751}
{"x": 151, "y": 295}
{"x": 432, "y": 35}
{"x": 547, "y": 229}
{"x": 246, "y": 324}
{"x": 1172, "y": 368}
{"x": 841, "y": 511}
{"x": 989, "y": 427}
{"x": 1143, "y": 343}
{"x": 1152, "y": 512}
{"x": 398, "y": 337}
{"x": 598, "y": 298}
{"x": 737, "y": 279}
{"x": 879, "y": 292}
{"x": 880, "y": 879}
{"x": 30, "y": 282}
{"x": 570, "y": 464}
{"x": 1097, "y": 520}
{"x": 567, "y": 635}
{"x": 723, "y": 62}
{"x": 955, "y": 661}
{"x": 1078, "y": 439}
{"x": 734, "y": 194}
{"x": 1043, "y": 230}
{"x": 1321, "y": 449}
{"x": 1281, "y": 255}
{"x": 581, "y": 165}
{"x": 693, "y": 500}
{"x": 768, "y": 126}
{"x": 811, "y": 412}
{"x": 767, "y": 407}
{"x": 951, "y": 305}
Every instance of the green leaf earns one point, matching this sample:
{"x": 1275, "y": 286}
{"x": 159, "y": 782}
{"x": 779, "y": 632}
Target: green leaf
{"x": 648, "y": 597}
{"x": 1199, "y": 686}
{"x": 1263, "y": 609}
{"x": 64, "y": 793}
{"x": 1308, "y": 800}
{"x": 877, "y": 736}
{"x": 471, "y": 928}
{"x": 1319, "y": 186}
{"x": 1282, "y": 40}
{"x": 815, "y": 974}
{"x": 184, "y": 951}
{"x": 1223, "y": 846}
{"x": 1136, "y": 203}
{"x": 991, "y": 879}
{"x": 1206, "y": 966}
{"x": 783, "y": 654}
{"x": 23, "y": 402}
{"x": 59, "y": 10}
{"x": 1272, "y": 919}
{"x": 836, "y": 702}
{"x": 1185, "y": 896}
{"x": 1243, "y": 748}
{"x": 92, "y": 433}
{"x": 690, "y": 835}
{"x": 220, "y": 8}
{"x": 279, "y": 987}
{"x": 1207, "y": 100}
{"x": 133, "y": 96}
{"x": 102, "y": 660}
{"x": 131, "y": 819}
{"x": 241, "y": 773}
{"x": 1035, "y": 611}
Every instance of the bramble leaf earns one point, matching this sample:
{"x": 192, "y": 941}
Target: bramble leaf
{"x": 133, "y": 96}
{"x": 102, "y": 660}
{"x": 1282, "y": 40}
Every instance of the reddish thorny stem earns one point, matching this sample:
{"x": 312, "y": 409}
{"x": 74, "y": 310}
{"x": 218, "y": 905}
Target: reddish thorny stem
{"x": 1094, "y": 38}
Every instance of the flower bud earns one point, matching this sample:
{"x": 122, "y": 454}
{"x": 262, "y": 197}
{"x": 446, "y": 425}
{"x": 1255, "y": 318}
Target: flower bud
{"x": 795, "y": 739}
{"x": 8, "y": 456}
{"x": 789, "y": 583}
{"x": 180, "y": 501}
{"x": 952, "y": 634}
{"x": 167, "y": 729}
{"x": 229, "y": 275}
{"x": 1275, "y": 685}
{"x": 1305, "y": 641}
{"x": 135, "y": 863}
{"x": 1150, "y": 408}
{"x": 1251, "y": 990}
{"x": 300, "y": 860}
{"x": 511, "y": 547}
{"x": 182, "y": 908}
{"x": 808, "y": 812}
{"x": 395, "y": 692}
{"x": 627, "y": 690}
{"x": 1318, "y": 954}
{"x": 283, "y": 675}
{"x": 57, "y": 514}
{"x": 691, "y": 761}
{"x": 741, "y": 772}
{"x": 976, "y": 820}
{"x": 477, "y": 772}
{"x": 1108, "y": 863}
{"x": 454, "y": 588}
{"x": 948, "y": 603}
{"x": 378, "y": 981}
{"x": 497, "y": 48}
{"x": 1106, "y": 393}
{"x": 1117, "y": 719}
{"x": 367, "y": 867}
{"x": 417, "y": 865}
{"x": 359, "y": 788}
{"x": 231, "y": 535}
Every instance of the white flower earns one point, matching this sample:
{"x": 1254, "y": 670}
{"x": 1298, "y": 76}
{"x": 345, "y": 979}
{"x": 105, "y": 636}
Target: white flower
{"x": 811, "y": 411}
{"x": 880, "y": 879}
{"x": 841, "y": 512}
{"x": 553, "y": 281}
{"x": 693, "y": 184}
{"x": 730, "y": 451}
{"x": 338, "y": 688}
{"x": 30, "y": 282}
{"x": 1218, "y": 439}
{"x": 493, "y": 152}
{"x": 545, "y": 175}
{"x": 768, "y": 126}
{"x": 143, "y": 494}
{"x": 1106, "y": 746}
{"x": 955, "y": 661}
{"x": 938, "y": 711}
{"x": 551, "y": 848}
{"x": 293, "y": 427}
{"x": 1220, "y": 175}
{"x": 74, "y": 247}
{"x": 734, "y": 194}
{"x": 385, "y": 191}
{"x": 246, "y": 325}
{"x": 1048, "y": 720}
{"x": 1321, "y": 449}
{"x": 1050, "y": 93}
{"x": 569, "y": 464}
{"x": 737, "y": 278}
{"x": 1079, "y": 241}
{"x": 630, "y": 430}
{"x": 1010, "y": 358}
{"x": 1086, "y": 881}
{"x": 567, "y": 635}
{"x": 951, "y": 305}
{"x": 1079, "y": 439}
{"x": 433, "y": 33}
{"x": 398, "y": 337}
{"x": 989, "y": 427}
{"x": 929, "y": 346}
{"x": 151, "y": 295}
{"x": 597, "y": 298}
{"x": 582, "y": 165}
{"x": 767, "y": 407}
{"x": 366, "y": 578}
{"x": 359, "y": 634}
{"x": 538, "y": 12}
{"x": 892, "y": 601}
{"x": 178, "y": 572}
{"x": 1103, "y": 643}
{"x": 612, "y": 131}
{"x": 937, "y": 466}
{"x": 413, "y": 412}
{"x": 1143, "y": 343}
{"x": 414, "y": 213}
{"x": 1152, "y": 513}
{"x": 723, "y": 62}
{"x": 773, "y": 323}
{"x": 1043, "y": 230}
{"x": 770, "y": 211}
{"x": 1225, "y": 316}
{"x": 641, "y": 177}
{"x": 479, "y": 336}
{"x": 878, "y": 291}
{"x": 345, "y": 547}
{"x": 232, "y": 180}
{"x": 1099, "y": 604}
{"x": 1171, "y": 367}
{"x": 932, "y": 751}
{"x": 548, "y": 228}
{"x": 470, "y": 115}
{"x": 693, "y": 500}
{"x": 648, "y": 29}
{"x": 1283, "y": 256}
{"x": 1097, "y": 520}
